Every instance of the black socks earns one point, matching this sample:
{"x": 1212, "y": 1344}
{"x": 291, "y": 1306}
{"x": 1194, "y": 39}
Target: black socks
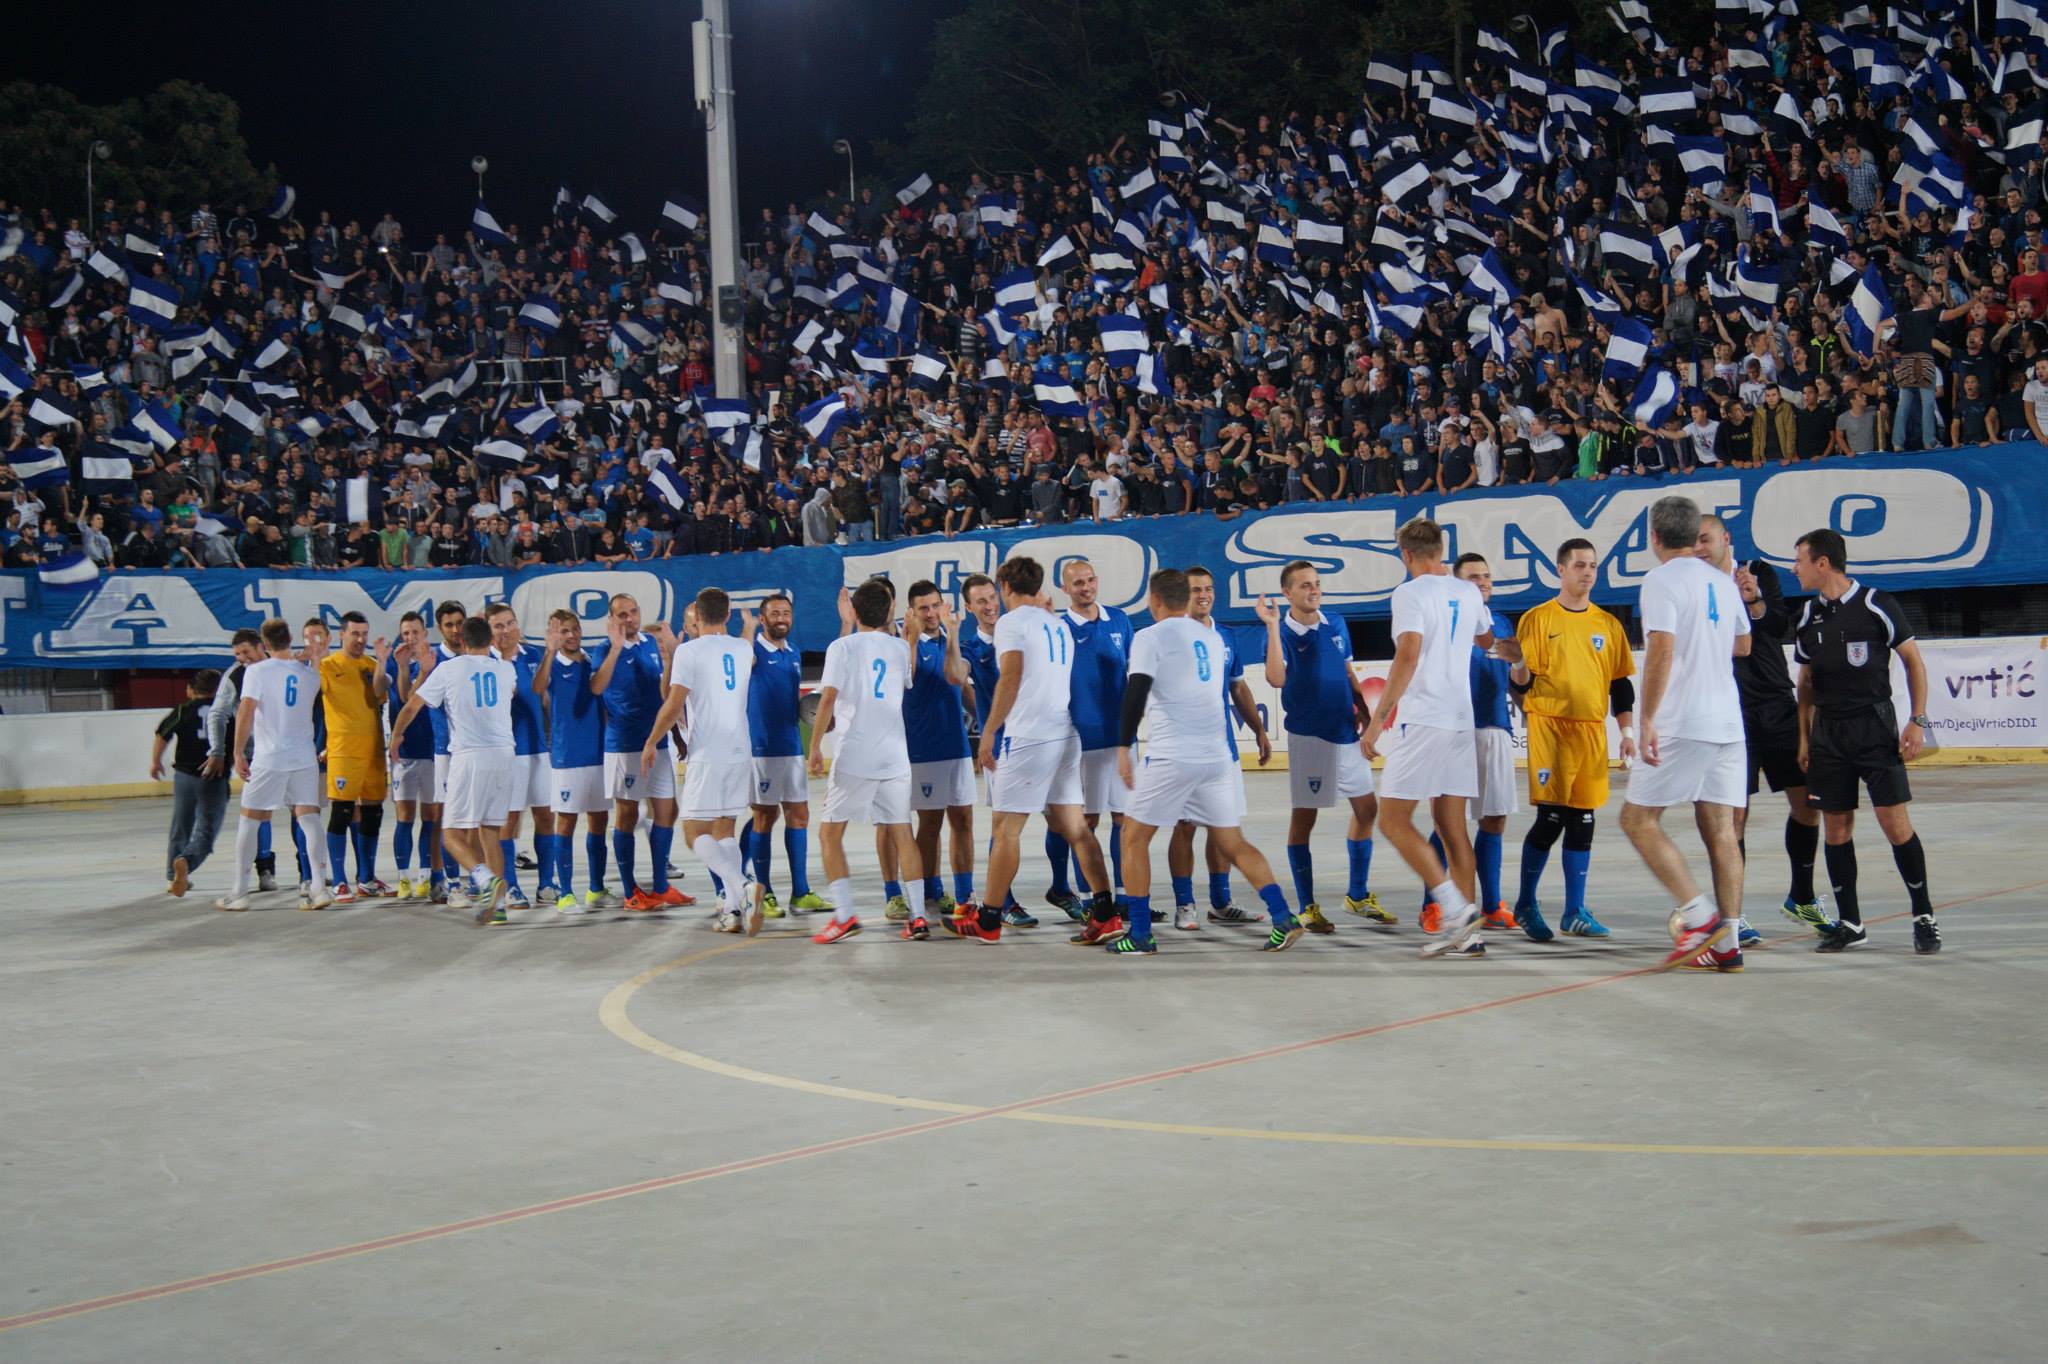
{"x": 1912, "y": 863}
{"x": 1802, "y": 844}
{"x": 1842, "y": 876}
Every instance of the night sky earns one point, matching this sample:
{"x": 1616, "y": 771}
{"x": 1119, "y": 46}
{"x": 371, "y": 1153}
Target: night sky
{"x": 381, "y": 105}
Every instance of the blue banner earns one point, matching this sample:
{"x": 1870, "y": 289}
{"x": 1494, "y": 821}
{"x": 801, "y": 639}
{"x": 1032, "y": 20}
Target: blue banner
{"x": 1945, "y": 519}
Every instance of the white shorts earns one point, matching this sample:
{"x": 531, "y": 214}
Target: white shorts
{"x": 866, "y": 800}
{"x": 781, "y": 781}
{"x": 413, "y": 779}
{"x": 1425, "y": 762}
{"x": 1692, "y": 770}
{"x": 440, "y": 778}
{"x": 623, "y": 779}
{"x": 479, "y": 788}
{"x": 271, "y": 788}
{"x": 1498, "y": 789}
{"x": 1169, "y": 791}
{"x": 580, "y": 791}
{"x": 533, "y": 782}
{"x": 1032, "y": 776}
{"x": 1318, "y": 772}
{"x": 942, "y": 785}
{"x": 1102, "y": 791}
{"x": 717, "y": 790}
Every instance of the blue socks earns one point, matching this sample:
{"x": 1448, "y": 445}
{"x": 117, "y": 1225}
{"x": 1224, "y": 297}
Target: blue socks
{"x": 796, "y": 843}
{"x": 963, "y": 886}
{"x": 1057, "y": 852}
{"x": 622, "y": 849}
{"x": 1116, "y": 855}
{"x": 299, "y": 847}
{"x": 891, "y": 889}
{"x": 1276, "y": 905}
{"x": 764, "y": 856}
{"x": 1534, "y": 860}
{"x": 1577, "y": 862}
{"x": 508, "y": 853}
{"x": 263, "y": 840}
{"x": 337, "y": 856}
{"x": 366, "y": 854}
{"x": 1219, "y": 888}
{"x": 1303, "y": 866}
{"x": 593, "y": 852}
{"x": 1486, "y": 848}
{"x": 1436, "y": 845}
{"x": 1139, "y": 910}
{"x": 1359, "y": 851}
{"x": 401, "y": 843}
{"x": 659, "y": 841}
{"x": 1183, "y": 891}
{"x": 934, "y": 888}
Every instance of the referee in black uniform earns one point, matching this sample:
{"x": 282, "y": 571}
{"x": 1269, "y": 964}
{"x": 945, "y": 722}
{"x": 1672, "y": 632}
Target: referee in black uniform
{"x": 1770, "y": 716}
{"x": 1847, "y": 730}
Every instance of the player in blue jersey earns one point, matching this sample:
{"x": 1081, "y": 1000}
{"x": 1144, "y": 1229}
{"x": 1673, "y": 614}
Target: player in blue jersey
{"x": 575, "y": 761}
{"x": 532, "y": 776}
{"x": 1308, "y": 657}
{"x": 984, "y": 603}
{"x": 1102, "y": 660}
{"x": 774, "y": 721}
{"x": 412, "y": 776}
{"x": 632, "y": 678}
{"x": 1496, "y": 743}
{"x": 1180, "y": 849}
{"x": 935, "y": 731}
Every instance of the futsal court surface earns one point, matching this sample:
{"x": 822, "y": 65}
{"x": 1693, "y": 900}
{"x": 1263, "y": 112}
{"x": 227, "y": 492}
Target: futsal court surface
{"x": 378, "y": 1132}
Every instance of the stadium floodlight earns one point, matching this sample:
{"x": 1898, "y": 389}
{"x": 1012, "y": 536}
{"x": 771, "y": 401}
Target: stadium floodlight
{"x": 98, "y": 151}
{"x": 842, "y": 145}
{"x": 479, "y": 165}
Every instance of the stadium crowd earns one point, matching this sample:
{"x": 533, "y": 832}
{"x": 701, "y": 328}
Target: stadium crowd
{"x": 1794, "y": 242}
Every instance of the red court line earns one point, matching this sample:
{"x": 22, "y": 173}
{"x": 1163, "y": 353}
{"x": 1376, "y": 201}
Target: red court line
{"x": 228, "y": 1276}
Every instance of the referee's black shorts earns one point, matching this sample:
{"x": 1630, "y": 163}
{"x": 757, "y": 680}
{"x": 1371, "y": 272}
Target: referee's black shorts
{"x": 1773, "y": 749}
{"x": 1861, "y": 747}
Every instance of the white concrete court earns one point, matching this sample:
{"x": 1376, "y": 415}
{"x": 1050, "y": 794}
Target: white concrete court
{"x": 379, "y": 1133}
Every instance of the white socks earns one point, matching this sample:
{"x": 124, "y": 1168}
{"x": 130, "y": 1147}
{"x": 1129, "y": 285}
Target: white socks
{"x": 722, "y": 856}
{"x": 316, "y": 849}
{"x": 248, "y": 837}
{"x": 1698, "y": 912}
{"x": 913, "y": 893}
{"x": 1451, "y": 901}
{"x": 842, "y": 899}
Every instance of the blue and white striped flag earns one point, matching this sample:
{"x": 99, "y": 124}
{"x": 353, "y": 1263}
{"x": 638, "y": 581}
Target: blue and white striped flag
{"x": 38, "y": 466}
{"x": 1655, "y": 398}
{"x": 927, "y": 370}
{"x": 895, "y": 310}
{"x": 89, "y": 377}
{"x": 1060, "y": 255}
{"x": 534, "y": 423}
{"x": 281, "y": 203}
{"x": 665, "y": 483}
{"x": 1628, "y": 350}
{"x": 151, "y": 303}
{"x": 1017, "y": 291}
{"x": 68, "y": 570}
{"x": 1824, "y": 230}
{"x": 486, "y": 227}
{"x": 1123, "y": 338}
{"x": 1870, "y": 308}
{"x": 46, "y": 411}
{"x": 633, "y": 335}
{"x": 674, "y": 288}
{"x": 1058, "y": 400}
{"x": 725, "y": 414}
{"x": 822, "y": 419}
{"x": 1152, "y": 376}
{"x": 682, "y": 211}
{"x": 156, "y": 421}
{"x": 1490, "y": 281}
{"x": 594, "y": 205}
{"x": 101, "y": 263}
{"x": 502, "y": 452}
{"x": 105, "y": 468}
{"x": 14, "y": 380}
{"x": 915, "y": 190}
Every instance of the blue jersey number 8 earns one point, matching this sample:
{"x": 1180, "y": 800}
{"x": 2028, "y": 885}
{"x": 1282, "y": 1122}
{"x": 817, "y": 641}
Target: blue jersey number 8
{"x": 291, "y": 690}
{"x": 881, "y": 671}
{"x": 731, "y": 679}
{"x": 1201, "y": 660}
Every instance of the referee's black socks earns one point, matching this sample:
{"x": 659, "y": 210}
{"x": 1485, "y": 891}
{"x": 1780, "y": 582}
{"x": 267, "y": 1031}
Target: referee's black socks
{"x": 1842, "y": 876}
{"x": 1802, "y": 843}
{"x": 1912, "y": 861}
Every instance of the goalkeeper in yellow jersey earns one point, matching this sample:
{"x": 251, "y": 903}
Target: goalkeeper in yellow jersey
{"x": 353, "y": 685}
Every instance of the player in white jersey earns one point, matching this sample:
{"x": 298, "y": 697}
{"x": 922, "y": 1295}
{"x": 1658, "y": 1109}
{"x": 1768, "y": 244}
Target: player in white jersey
{"x": 861, "y": 696}
{"x": 282, "y": 768}
{"x": 1434, "y": 758}
{"x": 1175, "y": 673}
{"x": 707, "y": 691}
{"x": 1180, "y": 850}
{"x": 1691, "y": 745}
{"x": 1037, "y": 764}
{"x": 473, "y": 691}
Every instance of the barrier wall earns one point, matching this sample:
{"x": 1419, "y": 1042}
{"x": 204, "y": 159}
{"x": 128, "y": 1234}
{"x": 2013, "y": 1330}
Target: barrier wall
{"x": 1987, "y": 701}
{"x": 1947, "y": 519}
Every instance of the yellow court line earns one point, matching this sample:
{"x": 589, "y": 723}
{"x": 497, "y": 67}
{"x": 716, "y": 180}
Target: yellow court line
{"x": 614, "y": 1013}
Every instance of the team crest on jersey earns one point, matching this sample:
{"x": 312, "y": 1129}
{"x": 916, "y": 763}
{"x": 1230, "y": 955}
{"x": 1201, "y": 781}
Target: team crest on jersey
{"x": 565, "y": 795}
{"x": 629, "y": 783}
{"x": 341, "y": 783}
{"x": 1543, "y": 776}
{"x": 1315, "y": 784}
{"x": 1859, "y": 654}
{"x": 927, "y": 788}
{"x": 764, "y": 788}
{"x": 1599, "y": 643}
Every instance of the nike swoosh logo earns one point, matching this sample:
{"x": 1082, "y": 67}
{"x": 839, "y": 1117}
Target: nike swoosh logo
{"x": 1550, "y": 636}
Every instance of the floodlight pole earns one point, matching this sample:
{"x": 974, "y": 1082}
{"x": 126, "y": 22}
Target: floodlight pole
{"x": 712, "y": 47}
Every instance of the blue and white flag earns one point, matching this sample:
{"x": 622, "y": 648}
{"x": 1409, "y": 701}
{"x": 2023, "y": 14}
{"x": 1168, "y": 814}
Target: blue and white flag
{"x": 64, "y": 286}
{"x": 1627, "y": 251}
{"x": 997, "y": 212}
{"x": 151, "y": 303}
{"x": 1387, "y": 75}
{"x": 39, "y": 466}
{"x": 682, "y": 211}
{"x": 1824, "y": 231}
{"x": 1317, "y": 236}
{"x": 927, "y": 370}
{"x": 1870, "y": 308}
{"x": 541, "y": 314}
{"x": 105, "y": 468}
{"x": 1275, "y": 243}
{"x": 47, "y": 412}
{"x": 1490, "y": 281}
{"x": 281, "y": 203}
{"x": 103, "y": 264}
{"x": 501, "y": 452}
{"x": 1404, "y": 180}
{"x": 486, "y": 227}
{"x": 1122, "y": 338}
{"x": 871, "y": 360}
{"x": 1628, "y": 350}
{"x": 895, "y": 310}
{"x": 633, "y": 335}
{"x": 1058, "y": 400}
{"x": 14, "y": 380}
{"x": 157, "y": 421}
{"x": 594, "y": 205}
{"x": 636, "y": 250}
{"x": 1667, "y": 99}
{"x": 674, "y": 288}
{"x": 1704, "y": 160}
{"x": 1152, "y": 376}
{"x": 1017, "y": 291}
{"x": 822, "y": 419}
{"x": 242, "y": 411}
{"x": 724, "y": 414}
{"x": 534, "y": 423}
{"x": 88, "y": 377}
{"x": 915, "y": 190}
{"x": 451, "y": 385}
{"x": 275, "y": 351}
{"x": 1655, "y": 398}
{"x": 1062, "y": 254}
{"x": 347, "y": 314}
{"x": 68, "y": 570}
{"x": 665, "y": 484}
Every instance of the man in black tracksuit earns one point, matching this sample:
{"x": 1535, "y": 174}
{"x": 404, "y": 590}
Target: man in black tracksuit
{"x": 1848, "y": 733}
